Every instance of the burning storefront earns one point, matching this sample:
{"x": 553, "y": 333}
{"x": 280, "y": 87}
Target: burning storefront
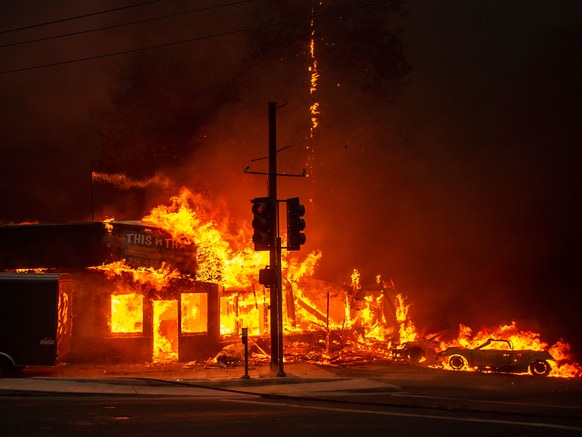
{"x": 134, "y": 293}
{"x": 137, "y": 293}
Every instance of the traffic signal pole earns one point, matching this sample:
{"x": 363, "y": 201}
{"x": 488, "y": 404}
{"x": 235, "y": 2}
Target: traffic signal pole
{"x": 276, "y": 295}
{"x": 266, "y": 236}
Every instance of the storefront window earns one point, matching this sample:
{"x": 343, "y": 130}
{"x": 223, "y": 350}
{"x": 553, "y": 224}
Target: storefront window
{"x": 194, "y": 312}
{"x": 126, "y": 313}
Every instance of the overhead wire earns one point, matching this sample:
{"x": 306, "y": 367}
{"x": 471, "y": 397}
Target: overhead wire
{"x": 189, "y": 40}
{"x": 91, "y": 14}
{"x": 130, "y": 23}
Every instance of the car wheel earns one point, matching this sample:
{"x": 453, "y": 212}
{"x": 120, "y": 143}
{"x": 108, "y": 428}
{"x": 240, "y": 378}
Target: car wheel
{"x": 540, "y": 368}
{"x": 457, "y": 362}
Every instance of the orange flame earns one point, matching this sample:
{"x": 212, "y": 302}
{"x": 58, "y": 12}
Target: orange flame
{"x": 108, "y": 223}
{"x": 126, "y": 313}
{"x": 406, "y": 328}
{"x": 187, "y": 218}
{"x": 226, "y": 258}
{"x": 165, "y": 331}
{"x": 155, "y": 278}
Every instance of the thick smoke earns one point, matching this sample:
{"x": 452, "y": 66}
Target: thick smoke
{"x": 456, "y": 178}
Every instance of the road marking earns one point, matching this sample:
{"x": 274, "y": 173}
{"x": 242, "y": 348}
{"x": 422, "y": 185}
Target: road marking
{"x": 404, "y": 395}
{"x": 414, "y": 415}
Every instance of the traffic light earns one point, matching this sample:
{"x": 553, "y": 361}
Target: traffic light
{"x": 295, "y": 224}
{"x": 263, "y": 223}
{"x": 268, "y": 277}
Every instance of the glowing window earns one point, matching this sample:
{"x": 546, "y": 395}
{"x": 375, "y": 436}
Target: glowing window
{"x": 194, "y": 312}
{"x": 126, "y": 313}
{"x": 242, "y": 310}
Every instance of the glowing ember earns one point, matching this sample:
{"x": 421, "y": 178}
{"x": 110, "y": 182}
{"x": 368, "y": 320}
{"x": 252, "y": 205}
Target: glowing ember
{"x": 314, "y": 110}
{"x": 313, "y": 80}
{"x": 37, "y": 270}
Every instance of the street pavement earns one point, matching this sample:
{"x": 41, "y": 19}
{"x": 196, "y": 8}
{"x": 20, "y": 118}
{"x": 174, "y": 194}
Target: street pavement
{"x": 392, "y": 384}
{"x": 370, "y": 398}
{"x": 175, "y": 380}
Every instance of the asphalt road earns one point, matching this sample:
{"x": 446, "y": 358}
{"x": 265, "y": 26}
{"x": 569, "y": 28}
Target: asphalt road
{"x": 533, "y": 393}
{"x": 257, "y": 416}
{"x": 360, "y": 400}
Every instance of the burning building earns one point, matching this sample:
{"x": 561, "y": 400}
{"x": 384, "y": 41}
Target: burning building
{"x": 134, "y": 293}
{"x": 141, "y": 293}
{"x": 180, "y": 285}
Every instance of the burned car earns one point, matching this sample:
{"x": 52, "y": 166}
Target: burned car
{"x": 497, "y": 356}
{"x": 418, "y": 351}
{"x": 421, "y": 351}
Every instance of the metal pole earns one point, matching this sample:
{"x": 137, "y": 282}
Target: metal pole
{"x": 274, "y": 260}
{"x": 327, "y": 313}
{"x": 327, "y": 325}
{"x": 245, "y": 340}
{"x": 281, "y": 371}
{"x": 92, "y": 199}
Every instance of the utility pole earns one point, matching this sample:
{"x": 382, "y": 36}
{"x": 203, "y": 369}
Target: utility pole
{"x": 275, "y": 252}
{"x": 266, "y": 237}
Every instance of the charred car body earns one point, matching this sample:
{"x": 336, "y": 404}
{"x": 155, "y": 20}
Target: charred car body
{"x": 423, "y": 350}
{"x": 497, "y": 356}
{"x": 419, "y": 351}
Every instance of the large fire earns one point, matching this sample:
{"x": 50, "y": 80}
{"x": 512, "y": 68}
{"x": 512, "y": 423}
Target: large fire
{"x": 327, "y": 323}
{"x": 322, "y": 322}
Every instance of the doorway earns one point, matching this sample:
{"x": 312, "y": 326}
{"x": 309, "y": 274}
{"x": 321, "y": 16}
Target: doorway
{"x": 165, "y": 331}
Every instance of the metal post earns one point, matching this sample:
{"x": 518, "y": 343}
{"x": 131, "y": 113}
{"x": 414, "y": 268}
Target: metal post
{"x": 280, "y": 371}
{"x": 245, "y": 340}
{"x": 92, "y": 199}
{"x": 274, "y": 260}
{"x": 327, "y": 346}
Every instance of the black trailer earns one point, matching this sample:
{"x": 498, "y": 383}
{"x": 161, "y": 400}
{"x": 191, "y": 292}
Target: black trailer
{"x": 35, "y": 319}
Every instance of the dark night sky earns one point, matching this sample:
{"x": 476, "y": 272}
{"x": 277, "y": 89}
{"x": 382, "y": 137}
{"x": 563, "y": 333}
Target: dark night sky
{"x": 460, "y": 180}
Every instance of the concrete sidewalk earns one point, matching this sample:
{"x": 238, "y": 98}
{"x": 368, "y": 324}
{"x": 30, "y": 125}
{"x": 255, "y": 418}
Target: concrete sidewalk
{"x": 301, "y": 380}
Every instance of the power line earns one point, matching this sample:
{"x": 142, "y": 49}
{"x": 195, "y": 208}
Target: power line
{"x": 62, "y": 20}
{"x": 113, "y": 26}
{"x": 189, "y": 40}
